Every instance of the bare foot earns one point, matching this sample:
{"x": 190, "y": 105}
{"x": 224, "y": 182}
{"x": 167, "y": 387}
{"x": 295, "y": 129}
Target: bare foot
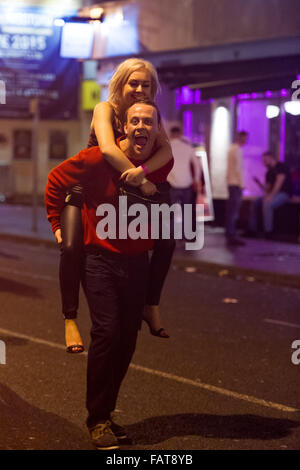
{"x": 152, "y": 317}
{"x": 72, "y": 337}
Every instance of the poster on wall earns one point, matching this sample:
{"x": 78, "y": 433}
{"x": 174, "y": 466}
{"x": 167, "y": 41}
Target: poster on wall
{"x": 31, "y": 66}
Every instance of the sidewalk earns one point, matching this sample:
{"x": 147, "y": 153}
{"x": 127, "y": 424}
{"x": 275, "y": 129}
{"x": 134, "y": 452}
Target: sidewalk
{"x": 258, "y": 260}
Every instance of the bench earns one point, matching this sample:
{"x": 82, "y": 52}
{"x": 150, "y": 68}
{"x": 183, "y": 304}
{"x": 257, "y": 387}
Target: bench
{"x": 286, "y": 217}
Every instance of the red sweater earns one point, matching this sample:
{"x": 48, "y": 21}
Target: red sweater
{"x": 99, "y": 180}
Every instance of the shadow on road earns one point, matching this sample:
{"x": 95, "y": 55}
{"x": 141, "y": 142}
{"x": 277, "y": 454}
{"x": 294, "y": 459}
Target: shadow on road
{"x": 18, "y": 288}
{"x": 158, "y": 429}
{"x": 23, "y": 426}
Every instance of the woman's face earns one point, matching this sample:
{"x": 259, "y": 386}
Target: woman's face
{"x": 137, "y": 87}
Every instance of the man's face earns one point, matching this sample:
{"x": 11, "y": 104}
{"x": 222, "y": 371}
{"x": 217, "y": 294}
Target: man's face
{"x": 137, "y": 87}
{"x": 142, "y": 129}
{"x": 243, "y": 140}
{"x": 267, "y": 160}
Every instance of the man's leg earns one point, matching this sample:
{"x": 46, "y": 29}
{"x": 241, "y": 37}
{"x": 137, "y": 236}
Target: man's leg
{"x": 187, "y": 197}
{"x": 176, "y": 198}
{"x": 268, "y": 210}
{"x": 255, "y": 207}
{"x": 132, "y": 302}
{"x": 101, "y": 288}
{"x": 232, "y": 212}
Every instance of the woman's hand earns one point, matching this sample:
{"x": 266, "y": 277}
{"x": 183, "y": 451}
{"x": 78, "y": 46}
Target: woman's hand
{"x": 148, "y": 188}
{"x": 133, "y": 176}
{"x": 58, "y": 235}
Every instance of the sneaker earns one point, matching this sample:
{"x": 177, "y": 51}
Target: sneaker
{"x": 102, "y": 436}
{"x": 119, "y": 431}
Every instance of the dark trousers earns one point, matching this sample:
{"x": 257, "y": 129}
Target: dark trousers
{"x": 233, "y": 209}
{"x": 115, "y": 287}
{"x": 267, "y": 210}
{"x": 184, "y": 196}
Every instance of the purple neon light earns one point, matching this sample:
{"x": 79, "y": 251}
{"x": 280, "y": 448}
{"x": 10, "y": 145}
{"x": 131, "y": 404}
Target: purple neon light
{"x": 244, "y": 96}
{"x": 253, "y": 95}
{"x": 177, "y": 98}
{"x": 282, "y": 135}
{"x": 187, "y": 95}
{"x": 283, "y": 92}
{"x": 268, "y": 94}
{"x": 188, "y": 123}
{"x": 197, "y": 96}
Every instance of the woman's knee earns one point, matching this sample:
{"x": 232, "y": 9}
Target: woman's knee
{"x": 71, "y": 249}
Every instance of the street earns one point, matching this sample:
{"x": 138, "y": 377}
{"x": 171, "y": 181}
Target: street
{"x": 224, "y": 380}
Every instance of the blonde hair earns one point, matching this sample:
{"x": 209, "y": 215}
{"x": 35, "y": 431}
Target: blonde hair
{"x": 123, "y": 72}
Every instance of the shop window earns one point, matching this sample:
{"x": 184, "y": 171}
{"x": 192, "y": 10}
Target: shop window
{"x": 58, "y": 145}
{"x": 22, "y": 140}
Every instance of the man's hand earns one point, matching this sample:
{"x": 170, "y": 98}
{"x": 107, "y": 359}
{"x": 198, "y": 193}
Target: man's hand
{"x": 196, "y": 186}
{"x": 133, "y": 176}
{"x": 268, "y": 198}
{"x": 259, "y": 183}
{"x": 256, "y": 180}
{"x": 148, "y": 188}
{"x": 58, "y": 235}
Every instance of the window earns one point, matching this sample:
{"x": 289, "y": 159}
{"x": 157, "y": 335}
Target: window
{"x": 22, "y": 139}
{"x": 58, "y": 145}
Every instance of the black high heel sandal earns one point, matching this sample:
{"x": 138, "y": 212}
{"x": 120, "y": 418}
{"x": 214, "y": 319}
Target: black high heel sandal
{"x": 157, "y": 333}
{"x": 75, "y": 349}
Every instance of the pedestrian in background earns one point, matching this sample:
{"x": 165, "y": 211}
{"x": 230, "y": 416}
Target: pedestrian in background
{"x": 277, "y": 191}
{"x": 184, "y": 178}
{"x": 235, "y": 164}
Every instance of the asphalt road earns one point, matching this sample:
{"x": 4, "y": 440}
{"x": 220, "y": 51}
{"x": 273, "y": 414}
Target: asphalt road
{"x": 224, "y": 380}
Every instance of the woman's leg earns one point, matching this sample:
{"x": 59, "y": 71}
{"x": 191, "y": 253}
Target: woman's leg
{"x": 159, "y": 266}
{"x": 70, "y": 259}
{"x": 70, "y": 272}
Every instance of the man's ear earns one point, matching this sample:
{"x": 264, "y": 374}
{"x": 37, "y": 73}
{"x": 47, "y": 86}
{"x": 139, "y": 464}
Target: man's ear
{"x": 125, "y": 128}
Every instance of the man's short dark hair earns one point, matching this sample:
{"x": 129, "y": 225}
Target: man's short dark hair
{"x": 242, "y": 133}
{"x": 175, "y": 130}
{"x": 268, "y": 153}
{"x": 144, "y": 101}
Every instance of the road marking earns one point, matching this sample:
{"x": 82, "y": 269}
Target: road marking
{"x": 32, "y": 338}
{"x": 166, "y": 375}
{"x": 283, "y": 323}
{"x": 27, "y": 274}
{"x": 213, "y": 388}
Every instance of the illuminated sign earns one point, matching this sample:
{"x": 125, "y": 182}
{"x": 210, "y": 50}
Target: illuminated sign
{"x": 77, "y": 40}
{"x": 30, "y": 64}
{"x": 117, "y": 35}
